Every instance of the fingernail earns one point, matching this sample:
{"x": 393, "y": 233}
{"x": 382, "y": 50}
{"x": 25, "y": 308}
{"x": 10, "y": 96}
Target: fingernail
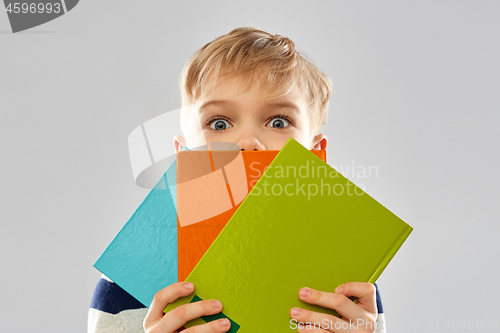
{"x": 189, "y": 285}
{"x": 304, "y": 292}
{"x": 338, "y": 290}
{"x": 216, "y": 304}
{"x": 295, "y": 311}
{"x": 224, "y": 323}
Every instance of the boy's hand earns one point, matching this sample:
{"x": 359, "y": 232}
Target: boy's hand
{"x": 157, "y": 321}
{"x": 358, "y": 317}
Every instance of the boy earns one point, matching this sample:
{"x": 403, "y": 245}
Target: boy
{"x": 254, "y": 89}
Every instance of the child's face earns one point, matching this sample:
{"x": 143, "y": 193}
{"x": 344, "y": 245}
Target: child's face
{"x": 232, "y": 114}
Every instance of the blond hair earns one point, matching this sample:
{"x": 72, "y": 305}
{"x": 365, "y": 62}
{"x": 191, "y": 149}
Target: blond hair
{"x": 246, "y": 52}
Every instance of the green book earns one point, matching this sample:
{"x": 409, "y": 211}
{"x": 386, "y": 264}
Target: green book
{"x": 303, "y": 224}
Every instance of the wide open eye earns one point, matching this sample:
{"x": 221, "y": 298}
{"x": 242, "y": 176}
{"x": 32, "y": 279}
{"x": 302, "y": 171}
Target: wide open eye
{"x": 278, "y": 123}
{"x": 219, "y": 124}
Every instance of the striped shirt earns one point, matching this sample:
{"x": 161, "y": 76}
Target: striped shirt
{"x": 113, "y": 310}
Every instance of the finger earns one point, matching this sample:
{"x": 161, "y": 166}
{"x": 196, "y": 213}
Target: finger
{"x": 165, "y": 296}
{"x": 310, "y": 321}
{"x": 180, "y": 315}
{"x": 364, "y": 291}
{"x": 339, "y": 302}
{"x": 220, "y": 325}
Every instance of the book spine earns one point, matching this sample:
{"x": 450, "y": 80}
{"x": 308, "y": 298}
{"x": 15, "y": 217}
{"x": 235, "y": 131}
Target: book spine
{"x": 390, "y": 254}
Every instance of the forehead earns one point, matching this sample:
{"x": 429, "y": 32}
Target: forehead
{"x": 254, "y": 88}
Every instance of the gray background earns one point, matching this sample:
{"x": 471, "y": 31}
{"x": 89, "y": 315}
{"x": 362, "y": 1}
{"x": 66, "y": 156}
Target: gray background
{"x": 416, "y": 95}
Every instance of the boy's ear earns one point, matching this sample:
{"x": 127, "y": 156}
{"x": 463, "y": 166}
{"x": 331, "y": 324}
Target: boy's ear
{"x": 319, "y": 142}
{"x": 179, "y": 143}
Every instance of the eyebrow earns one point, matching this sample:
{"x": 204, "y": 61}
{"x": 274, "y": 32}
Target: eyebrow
{"x": 272, "y": 105}
{"x": 217, "y": 103}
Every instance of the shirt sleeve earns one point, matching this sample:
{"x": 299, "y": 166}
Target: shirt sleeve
{"x": 113, "y": 310}
{"x": 380, "y": 322}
